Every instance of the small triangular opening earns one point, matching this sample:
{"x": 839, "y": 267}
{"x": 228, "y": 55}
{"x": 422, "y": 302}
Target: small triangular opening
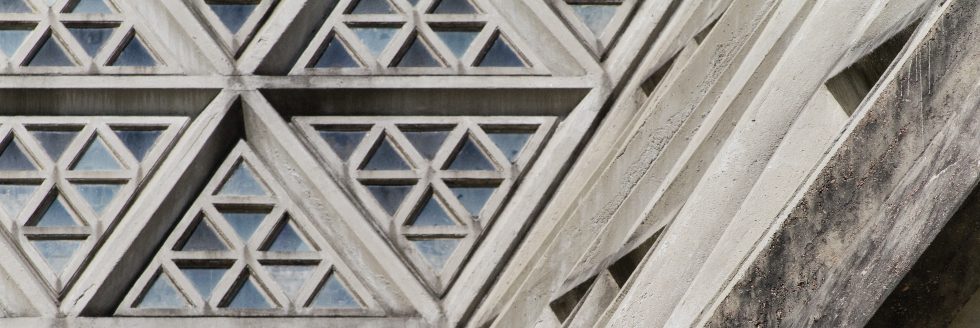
{"x": 134, "y": 54}
{"x": 51, "y": 53}
{"x": 564, "y": 306}
{"x": 427, "y": 143}
{"x": 469, "y": 157}
{"x": 436, "y": 251}
{"x": 57, "y": 253}
{"x": 14, "y": 197}
{"x": 290, "y": 277}
{"x": 203, "y": 238}
{"x": 242, "y": 182}
{"x": 375, "y": 38}
{"x": 343, "y": 143}
{"x": 385, "y": 157}
{"x": 55, "y": 215}
{"x": 249, "y": 296}
{"x": 334, "y": 295}
{"x": 90, "y": 7}
{"x": 99, "y": 196}
{"x": 14, "y": 6}
{"x": 288, "y": 240}
{"x": 418, "y": 55}
{"x": 473, "y": 198}
{"x": 204, "y": 279}
{"x": 458, "y": 40}
{"x": 595, "y": 16}
{"x": 336, "y": 55}
{"x": 431, "y": 215}
{"x": 139, "y": 142}
{"x": 55, "y": 142}
{"x": 363, "y": 7}
{"x": 97, "y": 157}
{"x": 232, "y": 14}
{"x": 12, "y": 37}
{"x": 390, "y": 196}
{"x": 500, "y": 54}
{"x": 13, "y": 158}
{"x": 162, "y": 294}
{"x": 454, "y": 7}
{"x": 510, "y": 143}
{"x": 244, "y": 223}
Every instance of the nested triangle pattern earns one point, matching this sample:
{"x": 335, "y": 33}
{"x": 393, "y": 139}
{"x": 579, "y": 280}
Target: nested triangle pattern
{"x": 258, "y": 253}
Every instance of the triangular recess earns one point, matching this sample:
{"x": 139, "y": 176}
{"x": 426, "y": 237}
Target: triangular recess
{"x": 57, "y": 253}
{"x": 427, "y": 142}
{"x": 510, "y": 143}
{"x": 203, "y": 238}
{"x": 97, "y": 157}
{"x": 242, "y": 182}
{"x": 390, "y": 196}
{"x": 134, "y": 54}
{"x": 55, "y": 142}
{"x": 470, "y": 158}
{"x": 55, "y": 215}
{"x": 90, "y": 7}
{"x": 334, "y": 295}
{"x": 385, "y": 157}
{"x": 343, "y": 143}
{"x": 232, "y": 14}
{"x": 13, "y": 197}
{"x": 375, "y": 38}
{"x": 372, "y": 7}
{"x": 595, "y": 16}
{"x": 336, "y": 55}
{"x": 244, "y": 223}
{"x": 11, "y": 38}
{"x": 418, "y": 55}
{"x": 288, "y": 240}
{"x": 458, "y": 40}
{"x": 473, "y": 198}
{"x": 500, "y": 54}
{"x": 249, "y": 296}
{"x": 139, "y": 142}
{"x": 436, "y": 251}
{"x": 162, "y": 294}
{"x": 290, "y": 277}
{"x": 432, "y": 215}
{"x": 14, "y": 6}
{"x": 454, "y": 7}
{"x": 99, "y": 196}
{"x": 51, "y": 53}
{"x": 13, "y": 158}
{"x": 204, "y": 279}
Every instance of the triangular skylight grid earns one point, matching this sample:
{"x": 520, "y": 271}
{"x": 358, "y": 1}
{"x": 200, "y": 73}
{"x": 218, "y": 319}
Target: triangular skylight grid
{"x": 597, "y": 22}
{"x": 234, "y": 22}
{"x": 449, "y": 37}
{"x": 474, "y": 161}
{"x": 65, "y": 181}
{"x": 254, "y": 253}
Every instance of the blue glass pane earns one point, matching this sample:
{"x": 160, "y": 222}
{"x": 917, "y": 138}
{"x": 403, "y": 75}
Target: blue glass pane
{"x": 135, "y": 54}
{"x": 454, "y": 7}
{"x": 510, "y": 143}
{"x": 458, "y": 40}
{"x": 91, "y": 38}
{"x": 375, "y": 38}
{"x": 14, "y": 6}
{"x": 418, "y": 55}
{"x": 50, "y": 54}
{"x": 427, "y": 142}
{"x": 99, "y": 196}
{"x": 11, "y": 39}
{"x": 413, "y": 2}
{"x": 204, "y": 279}
{"x": 290, "y": 277}
{"x": 500, "y": 54}
{"x": 431, "y": 215}
{"x": 473, "y": 198}
{"x": 249, "y": 297}
{"x": 334, "y": 295}
{"x": 56, "y": 215}
{"x": 13, "y": 158}
{"x": 436, "y": 251}
{"x": 390, "y": 197}
{"x": 91, "y": 7}
{"x": 139, "y": 142}
{"x": 372, "y": 7}
{"x": 13, "y": 198}
{"x": 385, "y": 157}
{"x": 470, "y": 158}
{"x": 233, "y": 15}
{"x": 595, "y": 16}
{"x": 203, "y": 238}
{"x": 97, "y": 157}
{"x": 343, "y": 143}
{"x": 162, "y": 295}
{"x": 57, "y": 253}
{"x": 244, "y": 223}
{"x": 242, "y": 182}
{"x": 335, "y": 54}
{"x": 55, "y": 142}
{"x": 288, "y": 240}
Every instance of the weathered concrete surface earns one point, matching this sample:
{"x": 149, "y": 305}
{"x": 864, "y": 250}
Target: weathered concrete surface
{"x": 877, "y": 203}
